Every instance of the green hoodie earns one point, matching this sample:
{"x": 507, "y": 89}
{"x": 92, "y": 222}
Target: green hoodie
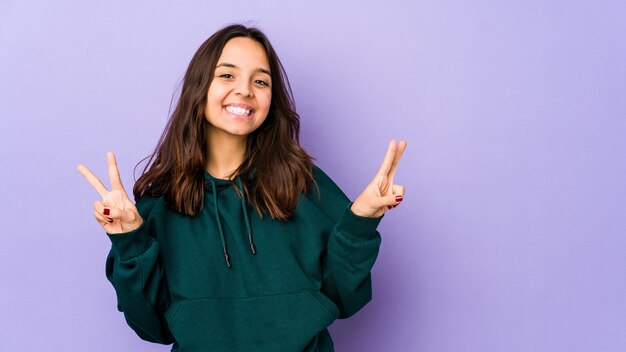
{"x": 228, "y": 280}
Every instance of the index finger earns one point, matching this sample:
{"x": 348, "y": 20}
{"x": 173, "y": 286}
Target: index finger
{"x": 93, "y": 180}
{"x": 114, "y": 173}
{"x": 385, "y": 167}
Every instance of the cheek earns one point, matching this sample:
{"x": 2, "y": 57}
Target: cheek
{"x": 217, "y": 92}
{"x": 213, "y": 100}
{"x": 266, "y": 101}
{"x": 212, "y": 97}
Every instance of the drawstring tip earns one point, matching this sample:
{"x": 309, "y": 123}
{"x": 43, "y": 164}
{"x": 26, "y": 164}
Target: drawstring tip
{"x": 227, "y": 260}
{"x": 252, "y": 247}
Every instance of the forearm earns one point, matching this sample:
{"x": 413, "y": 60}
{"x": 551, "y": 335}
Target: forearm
{"x": 351, "y": 252}
{"x": 134, "y": 270}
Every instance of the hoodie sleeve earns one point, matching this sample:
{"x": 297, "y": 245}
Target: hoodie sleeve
{"x": 352, "y": 248}
{"x": 134, "y": 269}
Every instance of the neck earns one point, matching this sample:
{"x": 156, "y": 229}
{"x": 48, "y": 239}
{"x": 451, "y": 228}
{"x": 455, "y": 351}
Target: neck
{"x": 225, "y": 152}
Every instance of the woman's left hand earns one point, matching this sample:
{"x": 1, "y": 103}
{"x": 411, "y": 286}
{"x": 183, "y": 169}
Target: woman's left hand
{"x": 382, "y": 194}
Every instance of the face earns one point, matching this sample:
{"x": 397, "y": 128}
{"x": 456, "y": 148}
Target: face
{"x": 240, "y": 93}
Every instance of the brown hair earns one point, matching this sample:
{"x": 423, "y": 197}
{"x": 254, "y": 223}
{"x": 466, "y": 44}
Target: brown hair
{"x": 275, "y": 170}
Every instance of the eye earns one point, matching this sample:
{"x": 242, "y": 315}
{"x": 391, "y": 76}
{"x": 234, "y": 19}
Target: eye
{"x": 226, "y": 75}
{"x": 262, "y": 83}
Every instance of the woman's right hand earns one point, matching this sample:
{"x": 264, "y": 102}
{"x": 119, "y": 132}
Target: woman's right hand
{"x": 115, "y": 213}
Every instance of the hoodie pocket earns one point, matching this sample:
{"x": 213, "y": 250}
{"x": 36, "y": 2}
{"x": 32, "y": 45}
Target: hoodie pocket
{"x": 286, "y": 322}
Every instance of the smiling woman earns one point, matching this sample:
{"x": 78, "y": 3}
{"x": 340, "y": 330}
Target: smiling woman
{"x": 237, "y": 241}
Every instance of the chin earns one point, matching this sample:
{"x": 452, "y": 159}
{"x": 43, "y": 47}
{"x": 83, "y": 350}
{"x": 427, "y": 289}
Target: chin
{"x": 240, "y": 132}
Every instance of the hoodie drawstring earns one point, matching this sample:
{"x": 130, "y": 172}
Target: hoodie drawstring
{"x": 219, "y": 224}
{"x": 245, "y": 216}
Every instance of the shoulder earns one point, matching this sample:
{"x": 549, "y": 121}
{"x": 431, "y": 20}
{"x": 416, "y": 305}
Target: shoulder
{"x": 325, "y": 193}
{"x": 147, "y": 204}
{"x": 324, "y": 182}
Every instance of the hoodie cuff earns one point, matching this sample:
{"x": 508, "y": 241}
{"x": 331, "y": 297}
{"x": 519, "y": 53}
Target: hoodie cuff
{"x": 358, "y": 227}
{"x": 131, "y": 244}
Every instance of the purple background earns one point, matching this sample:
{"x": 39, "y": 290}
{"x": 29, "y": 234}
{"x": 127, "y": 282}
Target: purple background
{"x": 512, "y": 234}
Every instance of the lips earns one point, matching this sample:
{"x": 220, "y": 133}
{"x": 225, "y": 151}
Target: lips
{"x": 239, "y": 109}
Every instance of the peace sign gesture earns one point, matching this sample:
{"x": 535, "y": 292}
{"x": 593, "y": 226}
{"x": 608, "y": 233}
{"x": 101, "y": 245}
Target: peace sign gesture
{"x": 115, "y": 213}
{"x": 382, "y": 194}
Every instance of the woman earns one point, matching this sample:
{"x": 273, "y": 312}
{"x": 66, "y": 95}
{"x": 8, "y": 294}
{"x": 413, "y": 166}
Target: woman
{"x": 237, "y": 241}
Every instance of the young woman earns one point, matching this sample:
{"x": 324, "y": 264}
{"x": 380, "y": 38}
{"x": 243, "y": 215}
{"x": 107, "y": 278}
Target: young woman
{"x": 237, "y": 241}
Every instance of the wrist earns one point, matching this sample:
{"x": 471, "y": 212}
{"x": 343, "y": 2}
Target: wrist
{"x": 359, "y": 211}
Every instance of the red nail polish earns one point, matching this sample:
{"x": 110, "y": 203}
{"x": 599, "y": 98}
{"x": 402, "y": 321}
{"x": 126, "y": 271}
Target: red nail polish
{"x": 399, "y": 198}
{"x": 110, "y": 220}
{"x": 106, "y": 211}
{"x": 389, "y": 207}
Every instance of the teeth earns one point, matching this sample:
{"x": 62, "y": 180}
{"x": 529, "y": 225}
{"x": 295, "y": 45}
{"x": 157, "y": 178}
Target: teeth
{"x": 237, "y": 110}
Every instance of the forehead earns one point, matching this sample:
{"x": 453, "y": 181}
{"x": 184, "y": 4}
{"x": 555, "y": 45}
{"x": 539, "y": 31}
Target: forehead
{"x": 244, "y": 53}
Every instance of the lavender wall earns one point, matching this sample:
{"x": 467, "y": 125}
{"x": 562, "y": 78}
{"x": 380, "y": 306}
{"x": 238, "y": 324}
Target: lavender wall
{"x": 512, "y": 236}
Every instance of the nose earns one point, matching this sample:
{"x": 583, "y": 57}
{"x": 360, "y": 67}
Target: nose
{"x": 243, "y": 88}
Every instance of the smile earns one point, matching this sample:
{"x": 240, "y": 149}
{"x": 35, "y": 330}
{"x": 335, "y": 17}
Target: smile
{"x": 238, "y": 111}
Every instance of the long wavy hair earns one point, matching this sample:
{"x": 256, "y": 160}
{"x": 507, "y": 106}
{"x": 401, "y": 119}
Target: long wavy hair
{"x": 275, "y": 170}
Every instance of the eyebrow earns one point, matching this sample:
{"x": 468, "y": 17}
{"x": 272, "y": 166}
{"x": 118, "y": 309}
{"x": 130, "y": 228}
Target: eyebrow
{"x": 226, "y": 64}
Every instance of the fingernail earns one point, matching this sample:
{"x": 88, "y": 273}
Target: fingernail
{"x": 395, "y": 205}
{"x": 110, "y": 220}
{"x": 106, "y": 211}
{"x": 398, "y": 198}
{"x": 389, "y": 207}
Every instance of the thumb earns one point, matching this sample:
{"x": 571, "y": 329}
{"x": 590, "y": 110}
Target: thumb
{"x": 387, "y": 201}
